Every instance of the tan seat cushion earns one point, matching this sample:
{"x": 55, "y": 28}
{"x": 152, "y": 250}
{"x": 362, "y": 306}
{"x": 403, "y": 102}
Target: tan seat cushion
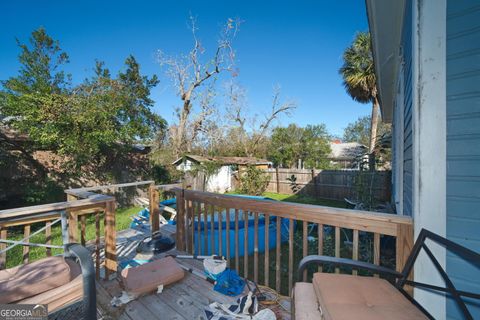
{"x": 35, "y": 278}
{"x": 147, "y": 277}
{"x": 60, "y": 296}
{"x": 353, "y": 297}
{"x": 306, "y": 305}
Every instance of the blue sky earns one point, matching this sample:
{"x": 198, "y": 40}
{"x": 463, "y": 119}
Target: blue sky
{"x": 295, "y": 44}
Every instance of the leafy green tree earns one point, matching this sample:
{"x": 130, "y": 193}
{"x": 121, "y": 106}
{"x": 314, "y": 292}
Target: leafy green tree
{"x": 293, "y": 143}
{"x": 253, "y": 181}
{"x": 316, "y": 142}
{"x": 90, "y": 122}
{"x": 359, "y": 78}
{"x": 359, "y": 131}
{"x": 40, "y": 71}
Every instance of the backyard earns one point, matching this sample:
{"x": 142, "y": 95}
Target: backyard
{"x": 123, "y": 219}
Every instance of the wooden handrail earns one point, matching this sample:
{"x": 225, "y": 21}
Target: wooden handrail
{"x": 59, "y": 206}
{"x": 383, "y": 223}
{"x": 191, "y": 205}
{"x": 77, "y": 191}
{"x": 74, "y": 209}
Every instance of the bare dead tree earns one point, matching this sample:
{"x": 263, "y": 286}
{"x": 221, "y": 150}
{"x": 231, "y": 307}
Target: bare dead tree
{"x": 189, "y": 72}
{"x": 254, "y": 133}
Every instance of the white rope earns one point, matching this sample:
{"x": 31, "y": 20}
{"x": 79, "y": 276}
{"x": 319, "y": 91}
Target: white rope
{"x": 22, "y": 242}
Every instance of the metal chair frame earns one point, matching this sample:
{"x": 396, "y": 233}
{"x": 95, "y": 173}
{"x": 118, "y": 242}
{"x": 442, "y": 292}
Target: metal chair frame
{"x": 400, "y": 279}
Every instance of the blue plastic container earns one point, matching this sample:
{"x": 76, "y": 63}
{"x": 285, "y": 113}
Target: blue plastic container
{"x": 206, "y": 247}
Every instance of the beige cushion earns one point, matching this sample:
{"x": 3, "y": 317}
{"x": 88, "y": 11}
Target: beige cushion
{"x": 353, "y": 297}
{"x": 147, "y": 277}
{"x": 306, "y": 305}
{"x": 34, "y": 278}
{"x": 60, "y": 296}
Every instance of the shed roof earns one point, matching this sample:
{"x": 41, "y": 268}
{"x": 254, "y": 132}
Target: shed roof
{"x": 346, "y": 150}
{"x": 224, "y": 160}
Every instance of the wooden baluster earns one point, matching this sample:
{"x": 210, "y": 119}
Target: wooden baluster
{"x": 220, "y": 231}
{"x": 278, "y": 254}
{"x": 305, "y": 246}
{"x": 355, "y": 249}
{"x": 26, "y": 249}
{"x": 290, "y": 255}
{"x": 180, "y": 232}
{"x": 245, "y": 244}
{"x": 237, "y": 258}
{"x": 227, "y": 218}
{"x": 48, "y": 238}
{"x": 187, "y": 226}
{"x": 110, "y": 241}
{"x": 267, "y": 250}
{"x": 212, "y": 229}
{"x": 154, "y": 208}
{"x": 97, "y": 245}
{"x": 199, "y": 222}
{"x": 255, "y": 248}
{"x": 190, "y": 226}
{"x": 376, "y": 250}
{"x": 205, "y": 229}
{"x": 320, "y": 243}
{"x": 337, "y": 246}
{"x": 72, "y": 226}
{"x": 3, "y": 246}
{"x": 82, "y": 229}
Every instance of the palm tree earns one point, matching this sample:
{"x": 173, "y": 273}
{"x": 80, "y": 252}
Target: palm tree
{"x": 359, "y": 78}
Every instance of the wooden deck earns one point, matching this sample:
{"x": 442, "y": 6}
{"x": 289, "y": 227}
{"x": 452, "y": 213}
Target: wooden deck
{"x": 186, "y": 299}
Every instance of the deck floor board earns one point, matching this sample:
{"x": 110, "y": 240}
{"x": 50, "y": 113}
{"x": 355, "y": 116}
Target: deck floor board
{"x": 183, "y": 300}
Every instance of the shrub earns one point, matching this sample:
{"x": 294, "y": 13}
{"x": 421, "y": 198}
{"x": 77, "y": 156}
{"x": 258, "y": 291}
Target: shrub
{"x": 253, "y": 181}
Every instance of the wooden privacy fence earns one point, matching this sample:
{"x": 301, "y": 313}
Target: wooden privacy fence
{"x": 196, "y": 206}
{"x": 72, "y": 210}
{"x": 331, "y": 184}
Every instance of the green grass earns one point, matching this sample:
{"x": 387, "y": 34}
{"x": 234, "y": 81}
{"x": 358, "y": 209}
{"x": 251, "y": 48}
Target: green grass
{"x": 15, "y": 255}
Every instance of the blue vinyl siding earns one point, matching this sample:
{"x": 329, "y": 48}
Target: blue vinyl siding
{"x": 463, "y": 144}
{"x": 407, "y": 113}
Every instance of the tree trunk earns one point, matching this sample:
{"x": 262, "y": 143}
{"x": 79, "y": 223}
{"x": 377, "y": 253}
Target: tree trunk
{"x": 373, "y": 134}
{"x": 374, "y": 124}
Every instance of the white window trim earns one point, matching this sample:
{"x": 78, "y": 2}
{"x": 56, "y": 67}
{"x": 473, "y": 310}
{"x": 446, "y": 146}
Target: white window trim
{"x": 429, "y": 141}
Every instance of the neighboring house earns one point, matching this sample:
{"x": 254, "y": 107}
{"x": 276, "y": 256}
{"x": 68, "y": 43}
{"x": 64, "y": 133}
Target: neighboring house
{"x": 348, "y": 155}
{"x": 427, "y": 61}
{"x": 221, "y": 181}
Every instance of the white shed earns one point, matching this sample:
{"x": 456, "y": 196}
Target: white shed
{"x": 221, "y": 181}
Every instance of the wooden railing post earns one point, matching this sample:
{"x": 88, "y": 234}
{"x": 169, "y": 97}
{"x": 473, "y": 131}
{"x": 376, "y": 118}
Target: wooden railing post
{"x": 154, "y": 208}
{"x": 404, "y": 244}
{"x": 110, "y": 241}
{"x": 3, "y": 246}
{"x": 72, "y": 221}
{"x": 277, "y": 179}
{"x": 180, "y": 219}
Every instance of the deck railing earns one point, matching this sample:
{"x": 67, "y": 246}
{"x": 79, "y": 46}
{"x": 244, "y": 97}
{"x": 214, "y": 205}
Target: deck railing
{"x": 310, "y": 230}
{"x": 195, "y": 208}
{"x": 71, "y": 211}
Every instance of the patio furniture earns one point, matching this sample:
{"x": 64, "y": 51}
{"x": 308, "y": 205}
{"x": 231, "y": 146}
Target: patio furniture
{"x": 342, "y": 296}
{"x": 65, "y": 283}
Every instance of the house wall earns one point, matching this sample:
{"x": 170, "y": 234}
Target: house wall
{"x": 463, "y": 144}
{"x": 406, "y": 113}
{"x": 420, "y": 136}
